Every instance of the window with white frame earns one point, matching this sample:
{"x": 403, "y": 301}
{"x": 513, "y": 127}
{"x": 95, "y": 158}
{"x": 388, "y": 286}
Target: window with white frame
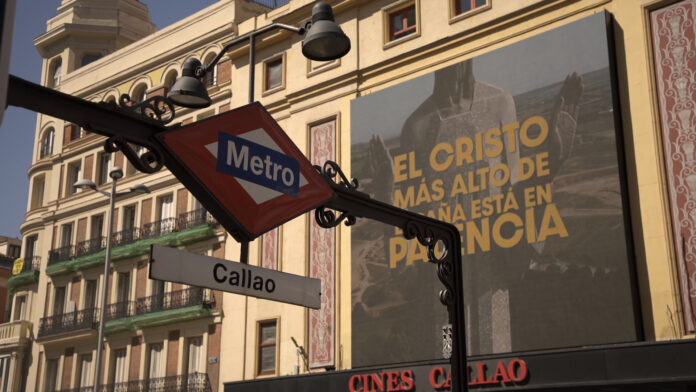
{"x": 86, "y": 371}
{"x": 119, "y": 368}
{"x": 73, "y": 175}
{"x": 105, "y": 166}
{"x": 51, "y": 375}
{"x": 47, "y": 143}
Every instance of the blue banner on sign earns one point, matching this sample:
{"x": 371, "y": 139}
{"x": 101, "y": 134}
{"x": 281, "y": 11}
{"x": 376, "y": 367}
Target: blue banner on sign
{"x": 259, "y": 164}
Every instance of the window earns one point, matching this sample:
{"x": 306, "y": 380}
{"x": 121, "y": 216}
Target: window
{"x": 273, "y": 71}
{"x": 86, "y": 371}
{"x": 47, "y": 143}
{"x": 463, "y": 6}
{"x": 105, "y": 166}
{"x": 20, "y": 308}
{"x": 195, "y": 354}
{"x": 51, "y": 380}
{"x": 66, "y": 235}
{"x": 211, "y": 75}
{"x": 266, "y": 352}
{"x": 4, "y": 372}
{"x": 165, "y": 212}
{"x": 30, "y": 247}
{"x": 155, "y": 368}
{"x": 402, "y": 22}
{"x": 73, "y": 176}
{"x": 158, "y": 295}
{"x": 97, "y": 228}
{"x": 58, "y": 300}
{"x": 14, "y": 251}
{"x": 89, "y": 58}
{"x": 75, "y": 132}
{"x": 54, "y": 73}
{"x": 139, "y": 94}
{"x": 90, "y": 294}
{"x": 37, "y": 192}
{"x": 128, "y": 218}
{"x": 119, "y": 369}
{"x": 123, "y": 293}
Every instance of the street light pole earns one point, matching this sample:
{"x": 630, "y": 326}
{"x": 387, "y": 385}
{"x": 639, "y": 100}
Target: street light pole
{"x": 116, "y": 173}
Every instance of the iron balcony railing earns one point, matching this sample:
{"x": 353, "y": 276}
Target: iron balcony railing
{"x": 90, "y": 246}
{"x": 194, "y": 382}
{"x": 31, "y": 263}
{"x": 159, "y": 302}
{"x": 158, "y": 228}
{"x": 150, "y": 230}
{"x": 61, "y": 254}
{"x": 125, "y": 237}
{"x": 69, "y": 322}
{"x": 272, "y": 4}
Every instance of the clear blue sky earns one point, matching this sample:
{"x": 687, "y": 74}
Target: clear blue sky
{"x": 17, "y": 129}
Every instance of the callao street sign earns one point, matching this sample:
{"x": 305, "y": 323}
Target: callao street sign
{"x": 245, "y": 164}
{"x": 219, "y": 274}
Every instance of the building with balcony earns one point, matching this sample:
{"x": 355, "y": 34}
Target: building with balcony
{"x": 556, "y": 135}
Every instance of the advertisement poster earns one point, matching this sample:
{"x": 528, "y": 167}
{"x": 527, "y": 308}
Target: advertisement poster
{"x": 518, "y": 149}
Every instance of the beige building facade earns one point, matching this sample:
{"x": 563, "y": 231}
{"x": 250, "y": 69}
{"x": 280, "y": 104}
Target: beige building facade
{"x": 173, "y": 336}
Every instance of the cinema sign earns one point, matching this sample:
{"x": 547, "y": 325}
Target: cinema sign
{"x": 480, "y": 374}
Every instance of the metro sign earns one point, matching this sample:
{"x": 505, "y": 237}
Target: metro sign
{"x": 245, "y": 170}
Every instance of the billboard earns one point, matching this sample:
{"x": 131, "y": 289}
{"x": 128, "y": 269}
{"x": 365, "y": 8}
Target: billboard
{"x": 519, "y": 149}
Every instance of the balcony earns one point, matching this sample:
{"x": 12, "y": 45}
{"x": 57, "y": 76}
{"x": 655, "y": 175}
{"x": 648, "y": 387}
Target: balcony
{"x": 194, "y": 382}
{"x": 69, "y": 322}
{"x": 187, "y": 228}
{"x": 174, "y": 307}
{"x": 28, "y": 275}
{"x": 15, "y": 334}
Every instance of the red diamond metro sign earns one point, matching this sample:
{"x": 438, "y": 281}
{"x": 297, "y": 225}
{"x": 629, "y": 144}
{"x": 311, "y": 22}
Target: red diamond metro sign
{"x": 246, "y": 166}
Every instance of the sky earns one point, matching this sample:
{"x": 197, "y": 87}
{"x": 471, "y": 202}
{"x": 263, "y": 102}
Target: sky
{"x": 18, "y": 125}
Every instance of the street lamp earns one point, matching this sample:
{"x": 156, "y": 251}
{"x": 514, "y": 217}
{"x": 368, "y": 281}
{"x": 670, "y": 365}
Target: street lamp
{"x": 324, "y": 41}
{"x": 115, "y": 174}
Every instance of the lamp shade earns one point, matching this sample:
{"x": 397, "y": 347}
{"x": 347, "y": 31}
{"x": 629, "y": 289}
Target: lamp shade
{"x": 188, "y": 91}
{"x": 325, "y": 40}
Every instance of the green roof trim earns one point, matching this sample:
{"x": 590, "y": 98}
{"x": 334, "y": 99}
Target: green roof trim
{"x": 138, "y": 248}
{"x": 22, "y": 279}
{"x": 156, "y": 319}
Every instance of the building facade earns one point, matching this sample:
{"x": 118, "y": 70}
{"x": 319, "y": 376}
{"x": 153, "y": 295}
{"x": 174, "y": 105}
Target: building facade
{"x": 556, "y": 135}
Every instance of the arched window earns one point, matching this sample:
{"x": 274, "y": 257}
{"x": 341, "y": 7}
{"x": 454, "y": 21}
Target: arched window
{"x": 139, "y": 93}
{"x": 47, "y": 143}
{"x": 211, "y": 75}
{"x": 170, "y": 79}
{"x": 54, "y": 73}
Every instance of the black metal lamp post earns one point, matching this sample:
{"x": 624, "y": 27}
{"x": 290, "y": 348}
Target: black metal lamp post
{"x": 324, "y": 41}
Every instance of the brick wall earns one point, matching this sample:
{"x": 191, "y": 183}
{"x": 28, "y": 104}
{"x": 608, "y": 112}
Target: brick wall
{"x": 146, "y": 212}
{"x": 134, "y": 370}
{"x": 181, "y": 201}
{"x": 68, "y": 362}
{"x": 141, "y": 280}
{"x": 172, "y": 352}
{"x": 213, "y": 369}
{"x": 81, "y": 230}
{"x": 224, "y": 69}
{"x": 89, "y": 167}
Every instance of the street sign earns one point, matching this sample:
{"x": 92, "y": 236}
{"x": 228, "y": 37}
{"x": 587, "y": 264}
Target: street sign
{"x": 244, "y": 163}
{"x": 175, "y": 265}
{"x": 7, "y": 13}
